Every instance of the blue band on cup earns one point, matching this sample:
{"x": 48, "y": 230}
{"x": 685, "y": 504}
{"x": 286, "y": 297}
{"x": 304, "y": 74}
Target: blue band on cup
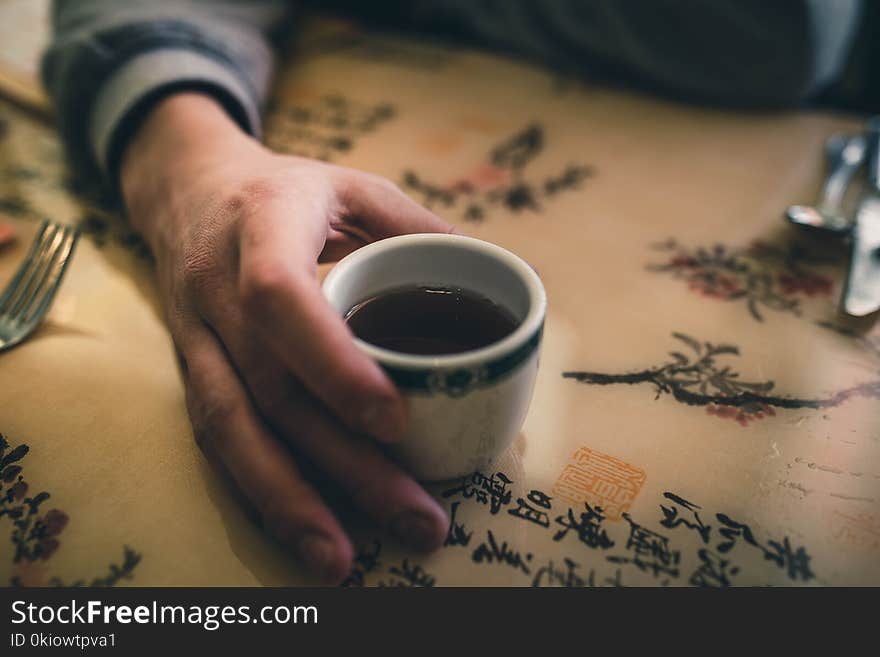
{"x": 460, "y": 381}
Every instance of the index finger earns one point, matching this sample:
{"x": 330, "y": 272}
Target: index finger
{"x": 285, "y": 303}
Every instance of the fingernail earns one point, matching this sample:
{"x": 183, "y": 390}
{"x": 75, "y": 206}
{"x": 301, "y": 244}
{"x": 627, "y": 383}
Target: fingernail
{"x": 316, "y": 552}
{"x": 382, "y": 421}
{"x": 416, "y": 530}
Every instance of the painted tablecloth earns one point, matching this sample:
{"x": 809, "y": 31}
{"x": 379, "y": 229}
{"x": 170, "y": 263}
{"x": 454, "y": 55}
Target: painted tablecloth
{"x": 703, "y": 414}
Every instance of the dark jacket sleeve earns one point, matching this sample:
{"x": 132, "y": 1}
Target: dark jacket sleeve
{"x": 735, "y": 52}
{"x": 110, "y": 59}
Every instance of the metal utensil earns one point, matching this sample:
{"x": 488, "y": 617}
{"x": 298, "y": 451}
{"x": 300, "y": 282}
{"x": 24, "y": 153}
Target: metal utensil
{"x": 844, "y": 155}
{"x": 29, "y": 294}
{"x": 862, "y": 293}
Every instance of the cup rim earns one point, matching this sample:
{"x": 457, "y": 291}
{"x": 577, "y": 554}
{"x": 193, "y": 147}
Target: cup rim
{"x": 528, "y": 327}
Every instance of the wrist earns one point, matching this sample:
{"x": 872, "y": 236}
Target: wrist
{"x": 183, "y": 136}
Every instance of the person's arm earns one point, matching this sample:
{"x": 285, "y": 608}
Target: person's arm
{"x": 271, "y": 372}
{"x": 109, "y": 61}
{"x": 739, "y": 52}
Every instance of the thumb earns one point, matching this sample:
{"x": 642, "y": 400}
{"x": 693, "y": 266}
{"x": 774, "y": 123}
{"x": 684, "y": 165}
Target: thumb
{"x": 377, "y": 208}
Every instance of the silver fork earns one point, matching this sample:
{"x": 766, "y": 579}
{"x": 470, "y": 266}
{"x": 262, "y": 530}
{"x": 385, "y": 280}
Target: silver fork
{"x": 29, "y": 294}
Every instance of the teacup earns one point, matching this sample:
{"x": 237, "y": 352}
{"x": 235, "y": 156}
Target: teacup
{"x": 465, "y": 409}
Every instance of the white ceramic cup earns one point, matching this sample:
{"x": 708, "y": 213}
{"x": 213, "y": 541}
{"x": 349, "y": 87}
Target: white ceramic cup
{"x": 467, "y": 408}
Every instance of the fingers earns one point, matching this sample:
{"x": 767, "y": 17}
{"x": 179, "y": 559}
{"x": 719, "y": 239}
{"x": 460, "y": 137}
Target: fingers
{"x": 278, "y": 289}
{"x": 377, "y": 486}
{"x": 228, "y": 429}
{"x": 381, "y": 209}
{"x": 284, "y": 303}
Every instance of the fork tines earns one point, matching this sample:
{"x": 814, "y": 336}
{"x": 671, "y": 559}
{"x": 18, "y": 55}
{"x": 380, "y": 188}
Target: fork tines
{"x": 30, "y": 292}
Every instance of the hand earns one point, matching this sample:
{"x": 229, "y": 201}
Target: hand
{"x": 270, "y": 369}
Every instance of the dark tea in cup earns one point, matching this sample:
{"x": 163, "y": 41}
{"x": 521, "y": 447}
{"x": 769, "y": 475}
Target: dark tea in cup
{"x": 430, "y": 320}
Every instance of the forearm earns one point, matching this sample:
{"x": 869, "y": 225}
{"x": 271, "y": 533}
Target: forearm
{"x": 110, "y": 60}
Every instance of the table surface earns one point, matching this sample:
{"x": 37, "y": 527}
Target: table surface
{"x": 703, "y": 414}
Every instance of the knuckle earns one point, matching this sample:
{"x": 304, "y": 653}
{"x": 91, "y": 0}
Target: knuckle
{"x": 245, "y": 202}
{"x": 250, "y": 196}
{"x": 262, "y": 283}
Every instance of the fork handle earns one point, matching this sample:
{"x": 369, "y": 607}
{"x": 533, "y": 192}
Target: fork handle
{"x": 845, "y": 154}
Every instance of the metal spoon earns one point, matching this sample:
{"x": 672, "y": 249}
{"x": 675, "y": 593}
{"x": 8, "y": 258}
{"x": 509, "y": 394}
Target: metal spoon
{"x": 844, "y": 155}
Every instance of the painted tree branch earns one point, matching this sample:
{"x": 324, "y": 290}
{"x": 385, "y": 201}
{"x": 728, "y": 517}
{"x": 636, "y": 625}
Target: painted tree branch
{"x": 870, "y": 389}
{"x": 696, "y": 378}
